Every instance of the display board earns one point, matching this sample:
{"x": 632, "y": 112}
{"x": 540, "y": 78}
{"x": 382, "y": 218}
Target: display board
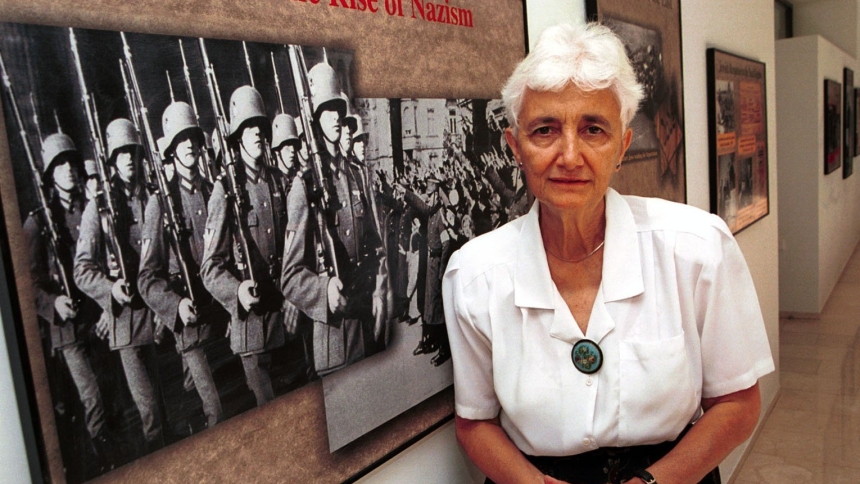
{"x": 398, "y": 63}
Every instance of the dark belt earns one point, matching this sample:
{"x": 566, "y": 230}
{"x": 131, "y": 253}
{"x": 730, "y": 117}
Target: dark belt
{"x": 612, "y": 465}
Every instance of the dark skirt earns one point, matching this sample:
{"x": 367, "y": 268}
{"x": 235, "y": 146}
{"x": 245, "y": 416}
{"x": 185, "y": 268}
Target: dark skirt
{"x": 608, "y": 465}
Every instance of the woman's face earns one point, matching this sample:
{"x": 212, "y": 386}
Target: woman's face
{"x": 569, "y": 144}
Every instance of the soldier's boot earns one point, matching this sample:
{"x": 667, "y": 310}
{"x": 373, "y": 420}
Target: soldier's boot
{"x": 107, "y": 451}
{"x": 444, "y": 353}
{"x": 429, "y": 339}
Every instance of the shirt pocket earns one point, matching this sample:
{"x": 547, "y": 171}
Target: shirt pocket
{"x": 656, "y": 391}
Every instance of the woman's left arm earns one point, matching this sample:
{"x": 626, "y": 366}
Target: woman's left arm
{"x": 727, "y": 422}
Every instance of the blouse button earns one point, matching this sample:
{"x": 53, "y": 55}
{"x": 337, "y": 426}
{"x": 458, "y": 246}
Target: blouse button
{"x": 588, "y": 381}
{"x": 586, "y": 442}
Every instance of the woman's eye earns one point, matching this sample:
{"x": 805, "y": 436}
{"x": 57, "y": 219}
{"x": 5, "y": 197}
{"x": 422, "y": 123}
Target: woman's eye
{"x": 594, "y": 130}
{"x": 543, "y": 130}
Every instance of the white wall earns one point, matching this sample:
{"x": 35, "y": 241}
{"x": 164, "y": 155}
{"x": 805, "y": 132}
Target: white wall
{"x": 817, "y": 234}
{"x": 13, "y": 458}
{"x": 800, "y": 154}
{"x": 718, "y": 23}
{"x": 835, "y": 20}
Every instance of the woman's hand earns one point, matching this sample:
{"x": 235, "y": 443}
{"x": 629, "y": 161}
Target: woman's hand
{"x": 552, "y": 480}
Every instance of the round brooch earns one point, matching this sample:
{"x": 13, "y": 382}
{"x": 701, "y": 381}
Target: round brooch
{"x": 587, "y": 356}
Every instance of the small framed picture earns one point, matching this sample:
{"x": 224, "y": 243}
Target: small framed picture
{"x": 737, "y": 129}
{"x": 832, "y": 126}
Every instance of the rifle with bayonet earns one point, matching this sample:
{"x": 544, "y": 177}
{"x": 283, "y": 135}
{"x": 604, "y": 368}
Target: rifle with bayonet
{"x": 209, "y": 168}
{"x": 134, "y": 108}
{"x": 237, "y": 197}
{"x": 320, "y": 193}
{"x": 173, "y": 220}
{"x": 104, "y": 197}
{"x": 49, "y": 227}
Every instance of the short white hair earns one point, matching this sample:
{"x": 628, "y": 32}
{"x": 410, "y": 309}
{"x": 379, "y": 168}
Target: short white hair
{"x": 589, "y": 57}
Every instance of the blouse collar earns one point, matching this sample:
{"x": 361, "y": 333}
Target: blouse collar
{"x": 622, "y": 269}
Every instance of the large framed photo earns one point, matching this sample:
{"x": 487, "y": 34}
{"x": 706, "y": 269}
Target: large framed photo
{"x": 832, "y": 126}
{"x": 848, "y": 122}
{"x": 655, "y": 162}
{"x": 737, "y": 129}
{"x": 178, "y": 207}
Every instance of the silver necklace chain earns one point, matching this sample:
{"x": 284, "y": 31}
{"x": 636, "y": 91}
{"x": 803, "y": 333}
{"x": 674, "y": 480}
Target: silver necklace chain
{"x": 573, "y": 261}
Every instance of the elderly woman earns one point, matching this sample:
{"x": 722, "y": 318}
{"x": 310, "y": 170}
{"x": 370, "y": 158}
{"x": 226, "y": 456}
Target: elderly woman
{"x": 598, "y": 338}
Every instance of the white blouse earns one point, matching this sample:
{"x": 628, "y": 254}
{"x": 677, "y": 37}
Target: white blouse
{"x": 676, "y": 317}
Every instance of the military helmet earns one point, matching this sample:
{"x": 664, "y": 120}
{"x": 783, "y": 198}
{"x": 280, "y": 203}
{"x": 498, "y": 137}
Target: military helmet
{"x": 325, "y": 90}
{"x": 121, "y": 133}
{"x": 246, "y": 106}
{"x": 52, "y": 147}
{"x": 284, "y": 131}
{"x": 178, "y": 119}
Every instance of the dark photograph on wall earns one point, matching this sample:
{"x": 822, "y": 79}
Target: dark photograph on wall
{"x": 655, "y": 162}
{"x": 856, "y": 147}
{"x": 832, "y": 126}
{"x": 848, "y": 123}
{"x": 737, "y": 129}
{"x": 213, "y": 225}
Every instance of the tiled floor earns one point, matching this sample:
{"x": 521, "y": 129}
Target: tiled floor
{"x": 813, "y": 433}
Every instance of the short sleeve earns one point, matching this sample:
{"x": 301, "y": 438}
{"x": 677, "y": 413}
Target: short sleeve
{"x": 735, "y": 348}
{"x": 471, "y": 347}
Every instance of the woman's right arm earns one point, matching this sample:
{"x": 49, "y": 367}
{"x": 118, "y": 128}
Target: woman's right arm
{"x": 489, "y": 447}
{"x": 481, "y": 436}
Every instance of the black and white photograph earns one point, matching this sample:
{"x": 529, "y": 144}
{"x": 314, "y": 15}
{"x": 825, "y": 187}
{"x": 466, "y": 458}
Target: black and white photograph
{"x": 443, "y": 175}
{"x": 164, "y": 305}
{"x": 725, "y": 107}
{"x": 213, "y": 224}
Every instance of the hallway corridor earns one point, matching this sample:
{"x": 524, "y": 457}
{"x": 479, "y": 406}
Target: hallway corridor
{"x": 812, "y": 435}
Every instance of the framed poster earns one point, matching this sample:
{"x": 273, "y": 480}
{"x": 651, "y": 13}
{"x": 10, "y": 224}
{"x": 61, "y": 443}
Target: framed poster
{"x": 832, "y": 126}
{"x": 737, "y": 138}
{"x": 321, "y": 424}
{"x": 856, "y": 148}
{"x": 655, "y": 162}
{"x": 848, "y": 123}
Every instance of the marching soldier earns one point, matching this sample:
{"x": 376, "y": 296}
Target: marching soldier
{"x": 256, "y": 305}
{"x": 68, "y": 320}
{"x": 285, "y": 144}
{"x": 97, "y": 271}
{"x": 160, "y": 280}
{"x": 347, "y": 308}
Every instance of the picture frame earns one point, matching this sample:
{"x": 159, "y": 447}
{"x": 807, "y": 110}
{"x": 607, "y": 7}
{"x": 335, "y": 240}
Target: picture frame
{"x": 737, "y": 138}
{"x": 856, "y": 147}
{"x": 655, "y": 163}
{"x": 291, "y": 431}
{"x": 848, "y": 123}
{"x": 832, "y": 126}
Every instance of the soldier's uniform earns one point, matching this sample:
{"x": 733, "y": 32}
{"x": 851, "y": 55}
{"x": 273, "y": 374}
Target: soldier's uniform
{"x": 253, "y": 334}
{"x": 130, "y": 326}
{"x": 67, "y": 337}
{"x": 352, "y": 334}
{"x": 160, "y": 279}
